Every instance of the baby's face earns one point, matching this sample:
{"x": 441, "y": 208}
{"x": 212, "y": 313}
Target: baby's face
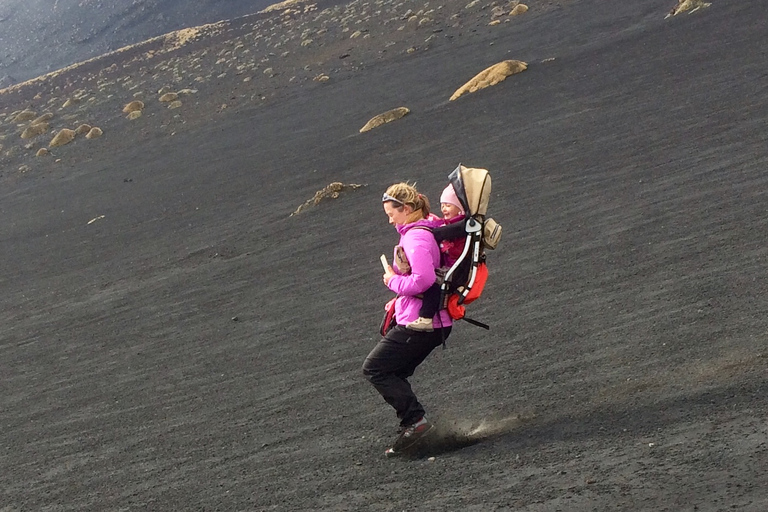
{"x": 449, "y": 210}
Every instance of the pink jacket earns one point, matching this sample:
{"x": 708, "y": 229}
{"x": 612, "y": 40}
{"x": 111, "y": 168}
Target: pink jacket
{"x": 424, "y": 256}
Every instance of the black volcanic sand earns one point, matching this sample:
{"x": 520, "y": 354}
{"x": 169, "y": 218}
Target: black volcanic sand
{"x": 198, "y": 348}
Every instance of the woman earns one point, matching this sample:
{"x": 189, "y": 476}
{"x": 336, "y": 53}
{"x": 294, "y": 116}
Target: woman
{"x": 401, "y": 350}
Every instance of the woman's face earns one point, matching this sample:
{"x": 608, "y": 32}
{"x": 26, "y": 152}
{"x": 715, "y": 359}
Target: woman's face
{"x": 398, "y": 214}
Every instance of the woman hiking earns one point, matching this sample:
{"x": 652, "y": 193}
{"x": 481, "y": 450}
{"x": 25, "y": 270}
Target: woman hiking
{"x": 401, "y": 349}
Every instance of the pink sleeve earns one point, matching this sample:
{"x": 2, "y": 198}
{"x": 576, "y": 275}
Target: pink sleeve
{"x": 423, "y": 255}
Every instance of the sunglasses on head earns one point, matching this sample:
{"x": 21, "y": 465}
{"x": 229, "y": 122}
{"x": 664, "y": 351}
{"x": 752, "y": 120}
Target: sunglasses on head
{"x": 388, "y": 197}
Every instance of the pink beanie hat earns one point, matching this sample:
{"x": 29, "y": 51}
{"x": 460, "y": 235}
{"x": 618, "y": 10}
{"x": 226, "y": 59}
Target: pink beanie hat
{"x": 449, "y": 196}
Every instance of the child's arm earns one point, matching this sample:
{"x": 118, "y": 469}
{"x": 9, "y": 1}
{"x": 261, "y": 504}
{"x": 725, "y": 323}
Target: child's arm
{"x": 449, "y": 232}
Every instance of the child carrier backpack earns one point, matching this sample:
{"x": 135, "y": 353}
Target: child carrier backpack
{"x": 465, "y": 280}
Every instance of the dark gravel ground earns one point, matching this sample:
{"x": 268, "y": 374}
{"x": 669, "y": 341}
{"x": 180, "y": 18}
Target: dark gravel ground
{"x": 198, "y": 348}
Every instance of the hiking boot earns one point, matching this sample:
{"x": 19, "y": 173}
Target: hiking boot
{"x": 421, "y": 324}
{"x": 410, "y": 436}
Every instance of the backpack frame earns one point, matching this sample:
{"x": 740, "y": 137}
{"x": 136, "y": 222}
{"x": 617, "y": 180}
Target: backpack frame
{"x": 465, "y": 279}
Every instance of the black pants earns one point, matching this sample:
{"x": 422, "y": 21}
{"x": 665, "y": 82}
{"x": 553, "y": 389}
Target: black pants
{"x": 393, "y": 360}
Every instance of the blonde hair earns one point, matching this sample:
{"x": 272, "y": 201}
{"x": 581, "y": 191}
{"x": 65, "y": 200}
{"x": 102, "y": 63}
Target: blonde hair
{"x": 406, "y": 194}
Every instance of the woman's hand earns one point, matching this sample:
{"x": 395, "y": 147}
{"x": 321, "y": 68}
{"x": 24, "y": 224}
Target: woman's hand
{"x": 388, "y": 274}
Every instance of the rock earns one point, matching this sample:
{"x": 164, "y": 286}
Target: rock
{"x": 688, "y": 6}
{"x": 386, "y": 117}
{"x": 82, "y": 129}
{"x": 43, "y": 118}
{"x": 134, "y": 106}
{"x": 94, "y": 133}
{"x": 24, "y": 116}
{"x": 490, "y": 76}
{"x": 518, "y": 10}
{"x": 65, "y": 136}
{"x": 331, "y": 191}
{"x": 34, "y": 130}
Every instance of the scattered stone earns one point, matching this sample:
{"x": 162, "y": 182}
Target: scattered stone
{"x": 134, "y": 115}
{"x": 94, "y": 133}
{"x": 689, "y": 6}
{"x": 169, "y": 97}
{"x": 386, "y": 117}
{"x": 65, "y": 136}
{"x": 490, "y": 76}
{"x": 70, "y": 102}
{"x": 174, "y": 104}
{"x": 34, "y": 130}
{"x": 134, "y": 106}
{"x": 322, "y": 77}
{"x": 95, "y": 219}
{"x": 24, "y": 116}
{"x": 24, "y": 168}
{"x": 331, "y": 191}
{"x": 518, "y": 10}
{"x": 42, "y": 152}
{"x": 82, "y": 129}
{"x": 43, "y": 118}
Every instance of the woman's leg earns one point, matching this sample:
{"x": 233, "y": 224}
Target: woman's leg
{"x": 393, "y": 360}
